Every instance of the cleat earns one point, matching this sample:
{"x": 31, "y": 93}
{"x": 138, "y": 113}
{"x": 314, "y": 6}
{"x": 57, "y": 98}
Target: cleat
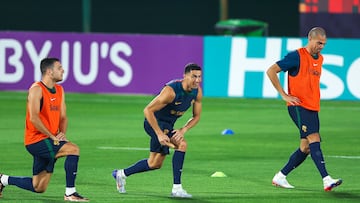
{"x": 75, "y": 197}
{"x": 120, "y": 180}
{"x": 180, "y": 193}
{"x": 279, "y": 180}
{"x": 1, "y": 186}
{"x": 330, "y": 183}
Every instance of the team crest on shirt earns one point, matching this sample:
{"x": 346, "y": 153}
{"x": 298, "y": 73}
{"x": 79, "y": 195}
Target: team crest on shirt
{"x": 314, "y": 72}
{"x": 304, "y": 128}
{"x": 177, "y": 113}
{"x": 54, "y": 107}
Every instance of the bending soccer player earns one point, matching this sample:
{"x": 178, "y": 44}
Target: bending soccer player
{"x": 160, "y": 116}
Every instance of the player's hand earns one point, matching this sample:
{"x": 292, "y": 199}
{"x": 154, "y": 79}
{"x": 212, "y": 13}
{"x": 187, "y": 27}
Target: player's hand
{"x": 178, "y": 136}
{"x": 61, "y": 136}
{"x": 291, "y": 99}
{"x": 165, "y": 141}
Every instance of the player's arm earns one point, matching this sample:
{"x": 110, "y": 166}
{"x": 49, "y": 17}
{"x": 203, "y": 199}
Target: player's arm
{"x": 272, "y": 74}
{"x": 197, "y": 108}
{"x": 165, "y": 97}
{"x": 34, "y": 98}
{"x": 63, "y": 119}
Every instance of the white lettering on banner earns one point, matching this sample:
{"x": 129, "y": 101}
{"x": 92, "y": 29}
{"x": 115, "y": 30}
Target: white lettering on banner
{"x": 353, "y": 78}
{"x": 334, "y": 86}
{"x": 104, "y": 49}
{"x": 120, "y": 81}
{"x": 239, "y": 64}
{"x": 293, "y": 44}
{"x": 94, "y": 64}
{"x": 13, "y": 60}
{"x": 35, "y": 54}
{"x": 36, "y": 58}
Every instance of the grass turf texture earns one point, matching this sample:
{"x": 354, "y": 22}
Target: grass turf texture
{"x": 107, "y": 128}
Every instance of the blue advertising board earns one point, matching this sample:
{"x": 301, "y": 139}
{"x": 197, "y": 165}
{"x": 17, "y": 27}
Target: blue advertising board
{"x": 236, "y": 66}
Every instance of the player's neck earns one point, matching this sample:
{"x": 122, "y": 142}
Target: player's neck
{"x": 185, "y": 87}
{"x": 48, "y": 83}
{"x": 314, "y": 55}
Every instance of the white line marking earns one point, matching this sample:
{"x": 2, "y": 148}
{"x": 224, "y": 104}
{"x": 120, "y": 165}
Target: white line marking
{"x": 345, "y": 157}
{"x": 125, "y": 148}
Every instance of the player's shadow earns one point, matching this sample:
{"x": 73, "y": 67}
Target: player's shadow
{"x": 174, "y": 199}
{"x": 345, "y": 195}
{"x": 232, "y": 197}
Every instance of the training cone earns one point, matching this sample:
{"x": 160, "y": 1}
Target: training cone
{"x": 227, "y": 132}
{"x": 218, "y": 174}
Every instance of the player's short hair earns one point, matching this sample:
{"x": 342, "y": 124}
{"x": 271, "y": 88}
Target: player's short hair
{"x": 47, "y": 63}
{"x": 316, "y": 31}
{"x": 191, "y": 66}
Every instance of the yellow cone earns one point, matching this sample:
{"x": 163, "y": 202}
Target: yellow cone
{"x": 218, "y": 174}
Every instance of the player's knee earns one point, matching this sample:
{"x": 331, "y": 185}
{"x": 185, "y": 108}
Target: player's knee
{"x": 68, "y": 149}
{"x": 76, "y": 150}
{"x": 182, "y": 146}
{"x": 305, "y": 149}
{"x": 314, "y": 137}
{"x": 155, "y": 166}
{"x": 40, "y": 189}
{"x": 73, "y": 149}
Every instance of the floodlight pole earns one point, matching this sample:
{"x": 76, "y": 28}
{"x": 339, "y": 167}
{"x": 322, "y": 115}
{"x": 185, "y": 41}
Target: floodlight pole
{"x": 223, "y": 13}
{"x": 86, "y": 17}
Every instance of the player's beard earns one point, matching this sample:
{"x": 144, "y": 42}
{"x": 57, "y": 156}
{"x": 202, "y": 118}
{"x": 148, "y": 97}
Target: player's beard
{"x": 195, "y": 86}
{"x": 59, "y": 79}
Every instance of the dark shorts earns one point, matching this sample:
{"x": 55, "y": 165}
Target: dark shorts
{"x": 155, "y": 145}
{"x": 43, "y": 153}
{"x": 306, "y": 120}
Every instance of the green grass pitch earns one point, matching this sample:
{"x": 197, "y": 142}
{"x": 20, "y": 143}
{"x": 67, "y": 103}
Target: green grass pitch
{"x": 109, "y": 132}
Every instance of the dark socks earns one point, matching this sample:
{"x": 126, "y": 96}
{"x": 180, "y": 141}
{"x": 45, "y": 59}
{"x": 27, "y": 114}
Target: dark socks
{"x": 177, "y": 163}
{"x": 138, "y": 167}
{"x": 294, "y": 161}
{"x": 71, "y": 165}
{"x": 22, "y": 182}
{"x": 317, "y": 157}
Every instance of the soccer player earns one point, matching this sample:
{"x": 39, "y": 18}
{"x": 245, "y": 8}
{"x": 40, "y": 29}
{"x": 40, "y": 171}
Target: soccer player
{"x": 45, "y": 135}
{"x": 160, "y": 116}
{"x": 303, "y": 100}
